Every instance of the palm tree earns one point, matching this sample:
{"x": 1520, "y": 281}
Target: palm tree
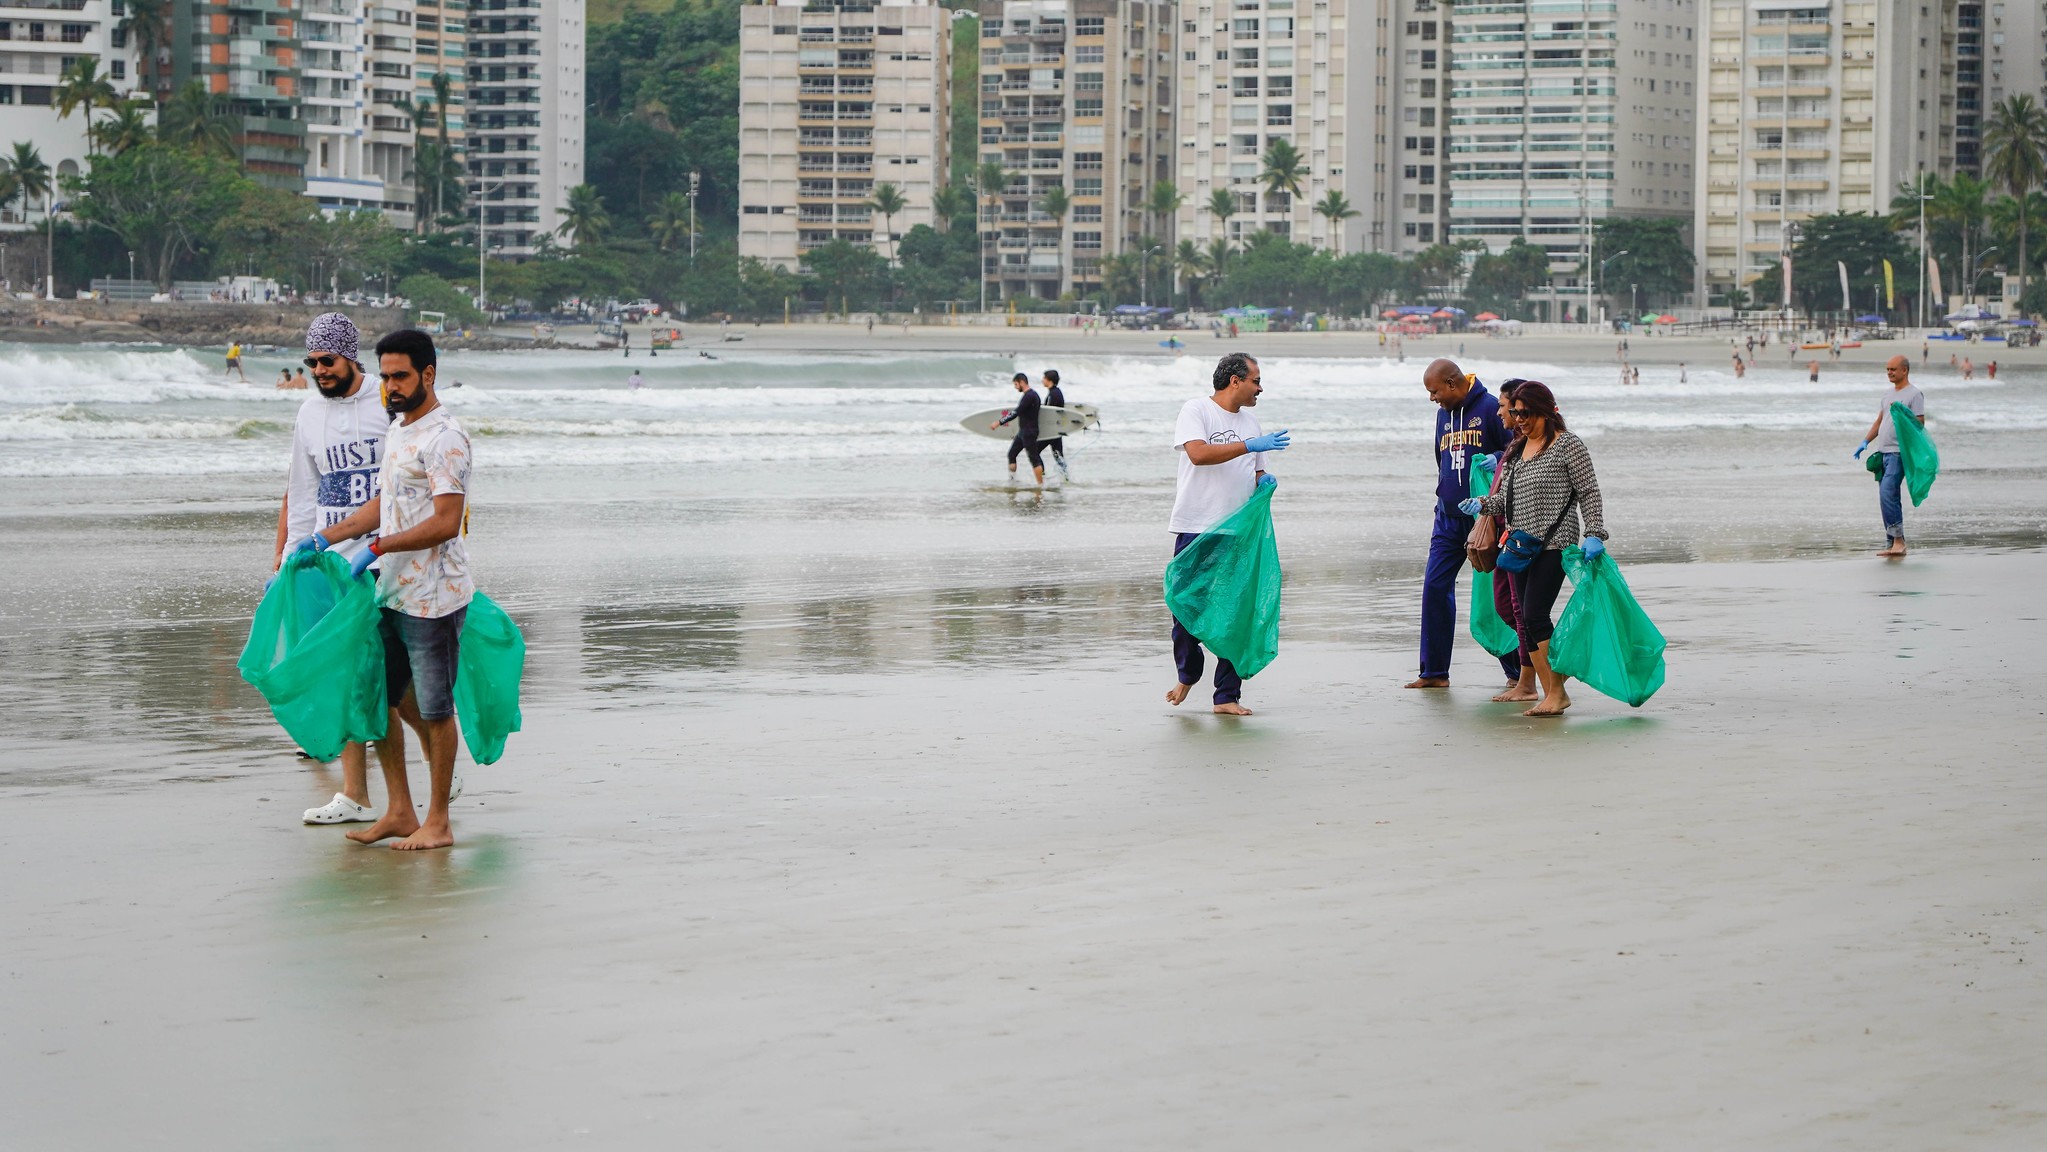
{"x": 888, "y": 200}
{"x": 199, "y": 119}
{"x": 669, "y": 225}
{"x": 1284, "y": 169}
{"x": 2012, "y": 216}
{"x": 1222, "y": 204}
{"x": 1163, "y": 203}
{"x": 1219, "y": 251}
{"x": 148, "y": 23}
{"x": 1335, "y": 207}
{"x": 443, "y": 91}
{"x": 2015, "y": 158}
{"x": 947, "y": 203}
{"x": 586, "y": 220}
{"x": 1193, "y": 265}
{"x": 126, "y": 129}
{"x": 31, "y": 175}
{"x": 83, "y": 88}
{"x": 990, "y": 177}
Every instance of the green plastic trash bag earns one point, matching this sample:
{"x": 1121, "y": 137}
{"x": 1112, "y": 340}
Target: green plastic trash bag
{"x": 487, "y": 676}
{"x": 1492, "y": 633}
{"x": 1604, "y": 638}
{"x": 1915, "y": 450}
{"x": 1223, "y": 587}
{"x": 315, "y": 655}
{"x": 1874, "y": 463}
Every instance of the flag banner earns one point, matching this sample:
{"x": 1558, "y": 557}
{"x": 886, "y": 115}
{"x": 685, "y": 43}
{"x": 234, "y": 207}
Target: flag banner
{"x": 1890, "y": 287}
{"x": 1846, "y": 304}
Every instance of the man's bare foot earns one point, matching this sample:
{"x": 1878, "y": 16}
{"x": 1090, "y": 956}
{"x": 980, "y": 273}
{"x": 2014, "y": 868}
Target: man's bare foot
{"x": 434, "y": 834}
{"x": 1515, "y": 693}
{"x": 1429, "y": 682}
{"x": 395, "y": 822}
{"x": 1178, "y": 694}
{"x": 1552, "y": 705}
{"x": 1232, "y": 709}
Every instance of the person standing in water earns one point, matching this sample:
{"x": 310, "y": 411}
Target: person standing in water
{"x": 336, "y": 448}
{"x": 1890, "y": 500}
{"x": 634, "y": 381}
{"x": 1025, "y": 414}
{"x": 1467, "y": 424}
{"x": 1054, "y": 398}
{"x": 1222, "y": 463}
{"x": 415, "y": 524}
{"x": 234, "y": 360}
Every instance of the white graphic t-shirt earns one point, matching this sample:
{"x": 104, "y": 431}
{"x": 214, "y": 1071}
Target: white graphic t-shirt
{"x": 1208, "y": 493}
{"x": 336, "y": 449}
{"x": 422, "y": 460}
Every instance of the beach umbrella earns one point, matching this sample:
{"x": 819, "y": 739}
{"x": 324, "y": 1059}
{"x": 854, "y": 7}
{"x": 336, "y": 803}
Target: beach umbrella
{"x": 1486, "y": 316}
{"x": 1666, "y": 318}
{"x": 1648, "y": 318}
{"x": 1444, "y": 314}
{"x": 1390, "y": 313}
{"x": 1452, "y": 310}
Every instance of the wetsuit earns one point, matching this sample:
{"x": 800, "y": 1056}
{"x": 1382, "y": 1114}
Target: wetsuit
{"x": 1054, "y": 398}
{"x": 1026, "y": 417}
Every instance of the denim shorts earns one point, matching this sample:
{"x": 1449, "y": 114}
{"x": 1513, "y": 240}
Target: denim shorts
{"x": 421, "y": 654}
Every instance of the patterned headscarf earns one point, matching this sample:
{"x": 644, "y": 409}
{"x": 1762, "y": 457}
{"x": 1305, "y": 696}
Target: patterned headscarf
{"x": 334, "y": 332}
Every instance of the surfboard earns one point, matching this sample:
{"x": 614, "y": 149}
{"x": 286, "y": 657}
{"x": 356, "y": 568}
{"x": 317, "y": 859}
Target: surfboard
{"x": 1052, "y": 422}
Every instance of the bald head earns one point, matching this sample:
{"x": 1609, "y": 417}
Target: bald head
{"x": 1899, "y": 369}
{"x": 1446, "y": 383}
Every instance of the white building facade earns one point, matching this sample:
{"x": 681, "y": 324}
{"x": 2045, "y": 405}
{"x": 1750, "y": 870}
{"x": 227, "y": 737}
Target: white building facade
{"x": 523, "y": 116}
{"x": 36, "y": 45}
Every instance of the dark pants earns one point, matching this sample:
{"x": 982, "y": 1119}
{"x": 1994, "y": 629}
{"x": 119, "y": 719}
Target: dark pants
{"x": 1439, "y": 594}
{"x": 1058, "y": 446}
{"x": 1536, "y": 589}
{"x": 1030, "y": 447}
{"x": 421, "y": 654}
{"x": 1508, "y": 606}
{"x": 1187, "y": 656}
{"x": 1890, "y": 499}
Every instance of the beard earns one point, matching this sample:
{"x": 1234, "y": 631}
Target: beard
{"x": 334, "y": 387}
{"x": 398, "y": 405}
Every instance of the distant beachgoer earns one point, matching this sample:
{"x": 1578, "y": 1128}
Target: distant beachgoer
{"x": 1222, "y": 462}
{"x": 1993, "y": 369}
{"x": 1924, "y": 352}
{"x": 298, "y": 379}
{"x": 1812, "y": 371}
{"x": 625, "y": 341}
{"x": 1954, "y": 362}
{"x": 336, "y": 447}
{"x": 634, "y": 381}
{"x": 1054, "y": 398}
{"x": 1680, "y": 371}
{"x": 234, "y": 360}
{"x": 283, "y": 378}
{"x": 415, "y": 524}
{"x": 1627, "y": 377}
{"x": 1968, "y": 368}
{"x": 1889, "y": 501}
{"x": 1546, "y": 474}
{"x": 1025, "y": 414}
{"x": 1467, "y": 425}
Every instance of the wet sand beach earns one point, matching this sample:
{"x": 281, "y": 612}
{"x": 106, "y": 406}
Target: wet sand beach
{"x": 848, "y": 813}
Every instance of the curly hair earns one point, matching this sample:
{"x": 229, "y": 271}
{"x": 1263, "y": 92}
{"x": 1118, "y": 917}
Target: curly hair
{"x": 1235, "y": 366}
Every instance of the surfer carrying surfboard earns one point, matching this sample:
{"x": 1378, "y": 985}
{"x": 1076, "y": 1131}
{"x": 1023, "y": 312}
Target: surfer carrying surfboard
{"x": 1054, "y": 398}
{"x": 1025, "y": 415}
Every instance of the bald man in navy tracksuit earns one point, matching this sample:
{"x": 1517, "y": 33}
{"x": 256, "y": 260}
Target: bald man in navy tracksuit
{"x": 1467, "y": 424}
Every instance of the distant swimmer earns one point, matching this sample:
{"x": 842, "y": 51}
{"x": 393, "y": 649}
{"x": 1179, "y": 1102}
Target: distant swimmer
{"x": 1054, "y": 398}
{"x": 633, "y": 381}
{"x": 1026, "y": 417}
{"x": 1884, "y": 436}
{"x": 1222, "y": 462}
{"x": 705, "y": 355}
{"x": 298, "y": 379}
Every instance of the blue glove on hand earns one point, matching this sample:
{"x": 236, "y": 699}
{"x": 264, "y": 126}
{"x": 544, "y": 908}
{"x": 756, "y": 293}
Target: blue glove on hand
{"x": 1485, "y": 460}
{"x": 1470, "y": 506}
{"x": 313, "y": 543}
{"x": 361, "y": 563}
{"x": 1594, "y": 546}
{"x": 1270, "y": 442}
{"x": 1268, "y": 481}
{"x": 1861, "y": 450}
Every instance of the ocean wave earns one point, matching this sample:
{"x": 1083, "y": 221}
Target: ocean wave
{"x": 72, "y": 422}
{"x": 36, "y": 375}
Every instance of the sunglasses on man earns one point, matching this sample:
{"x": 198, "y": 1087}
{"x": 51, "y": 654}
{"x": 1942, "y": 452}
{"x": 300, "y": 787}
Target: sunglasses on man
{"x": 322, "y": 361}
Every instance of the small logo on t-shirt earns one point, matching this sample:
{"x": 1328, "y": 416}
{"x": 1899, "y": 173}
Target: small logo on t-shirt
{"x": 1226, "y": 436}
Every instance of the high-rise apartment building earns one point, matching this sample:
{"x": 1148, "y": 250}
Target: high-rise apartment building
{"x": 441, "y": 52}
{"x": 1077, "y": 95}
{"x": 1816, "y": 107}
{"x": 1564, "y": 113}
{"x": 354, "y": 65}
{"x": 524, "y": 116}
{"x": 248, "y": 51}
{"x": 36, "y": 44}
{"x": 837, "y": 96}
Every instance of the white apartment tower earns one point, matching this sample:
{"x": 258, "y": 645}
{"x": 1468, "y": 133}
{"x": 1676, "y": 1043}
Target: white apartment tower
{"x": 1076, "y": 94}
{"x": 837, "y": 96}
{"x": 355, "y": 64}
{"x": 1564, "y": 113}
{"x": 524, "y": 117}
{"x": 37, "y": 41}
{"x": 1816, "y": 107}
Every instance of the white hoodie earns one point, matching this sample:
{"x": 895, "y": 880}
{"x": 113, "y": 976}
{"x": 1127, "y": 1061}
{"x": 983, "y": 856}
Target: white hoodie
{"x": 336, "y": 448}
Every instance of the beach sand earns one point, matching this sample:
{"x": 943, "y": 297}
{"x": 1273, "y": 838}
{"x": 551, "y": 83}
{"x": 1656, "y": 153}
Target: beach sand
{"x": 959, "y": 903}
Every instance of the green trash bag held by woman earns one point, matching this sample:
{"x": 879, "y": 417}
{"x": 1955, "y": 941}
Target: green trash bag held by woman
{"x": 1916, "y": 452}
{"x": 1492, "y": 633}
{"x": 1604, "y": 638}
{"x": 1223, "y": 587}
{"x": 315, "y": 655}
{"x": 487, "y": 679}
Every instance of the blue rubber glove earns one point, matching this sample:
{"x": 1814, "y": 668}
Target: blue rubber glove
{"x": 1485, "y": 460}
{"x": 269, "y": 584}
{"x": 1268, "y": 480}
{"x": 1594, "y": 546}
{"x": 1861, "y": 450}
{"x": 313, "y": 543}
{"x": 1270, "y": 442}
{"x": 1470, "y": 506}
{"x": 361, "y": 563}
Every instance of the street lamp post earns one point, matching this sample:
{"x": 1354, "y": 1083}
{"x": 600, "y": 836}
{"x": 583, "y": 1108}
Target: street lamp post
{"x": 50, "y": 254}
{"x": 1976, "y": 270}
{"x": 482, "y": 224}
{"x": 131, "y": 270}
{"x": 1923, "y": 198}
{"x": 693, "y": 177}
{"x": 1599, "y": 276}
{"x": 1144, "y": 256}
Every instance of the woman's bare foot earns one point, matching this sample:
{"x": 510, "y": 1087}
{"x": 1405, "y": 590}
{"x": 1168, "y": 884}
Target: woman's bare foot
{"x": 1232, "y": 709}
{"x": 1552, "y": 705}
{"x": 1177, "y": 694}
{"x": 432, "y": 834}
{"x": 1429, "y": 682}
{"x": 395, "y": 822}
{"x": 1515, "y": 693}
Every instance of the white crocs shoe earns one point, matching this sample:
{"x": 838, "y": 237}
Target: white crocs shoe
{"x": 340, "y": 810}
{"x": 455, "y": 788}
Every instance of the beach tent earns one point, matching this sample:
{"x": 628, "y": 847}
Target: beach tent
{"x": 2025, "y": 323}
{"x": 1870, "y": 319}
{"x": 1451, "y": 310}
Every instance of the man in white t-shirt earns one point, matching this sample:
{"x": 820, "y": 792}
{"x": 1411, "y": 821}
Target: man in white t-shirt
{"x": 336, "y": 446}
{"x": 1222, "y": 462}
{"x": 417, "y": 518}
{"x": 1890, "y": 481}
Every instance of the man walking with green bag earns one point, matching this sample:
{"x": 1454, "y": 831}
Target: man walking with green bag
{"x": 1884, "y": 434}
